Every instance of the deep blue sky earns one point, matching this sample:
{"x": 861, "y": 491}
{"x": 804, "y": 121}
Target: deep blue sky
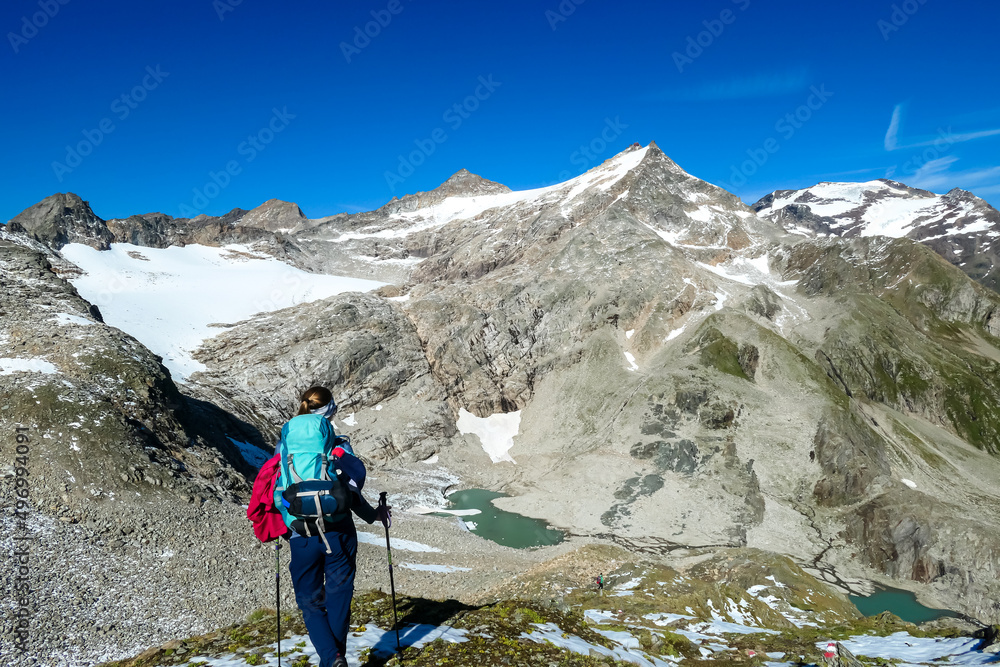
{"x": 609, "y": 67}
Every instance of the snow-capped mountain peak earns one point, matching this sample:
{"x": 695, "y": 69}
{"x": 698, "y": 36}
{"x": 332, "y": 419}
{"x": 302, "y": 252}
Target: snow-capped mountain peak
{"x": 958, "y": 225}
{"x": 880, "y": 207}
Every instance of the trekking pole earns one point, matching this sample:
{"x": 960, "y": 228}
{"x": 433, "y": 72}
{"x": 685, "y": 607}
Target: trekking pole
{"x": 277, "y": 592}
{"x": 392, "y": 586}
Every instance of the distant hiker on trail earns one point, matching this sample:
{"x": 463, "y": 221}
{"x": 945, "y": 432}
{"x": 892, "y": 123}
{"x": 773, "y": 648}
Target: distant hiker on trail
{"x": 318, "y": 486}
{"x": 600, "y": 583}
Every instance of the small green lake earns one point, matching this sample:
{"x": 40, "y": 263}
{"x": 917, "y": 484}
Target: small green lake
{"x": 496, "y": 525}
{"x": 901, "y": 603}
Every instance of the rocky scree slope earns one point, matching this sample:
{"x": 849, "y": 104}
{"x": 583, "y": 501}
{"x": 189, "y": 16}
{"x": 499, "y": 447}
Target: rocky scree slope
{"x": 709, "y": 379}
{"x": 916, "y": 357}
{"x": 959, "y": 226}
{"x": 132, "y": 486}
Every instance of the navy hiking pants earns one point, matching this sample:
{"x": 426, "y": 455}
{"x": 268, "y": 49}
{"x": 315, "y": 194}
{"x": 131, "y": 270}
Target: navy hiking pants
{"x": 324, "y": 586}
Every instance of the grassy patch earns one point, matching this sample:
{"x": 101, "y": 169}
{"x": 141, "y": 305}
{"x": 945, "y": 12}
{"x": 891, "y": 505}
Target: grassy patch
{"x": 719, "y": 352}
{"x": 506, "y": 633}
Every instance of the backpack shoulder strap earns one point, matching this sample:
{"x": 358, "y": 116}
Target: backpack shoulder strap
{"x": 329, "y": 436}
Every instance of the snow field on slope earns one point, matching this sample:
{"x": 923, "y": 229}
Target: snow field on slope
{"x": 167, "y": 298}
{"x": 397, "y": 543}
{"x": 920, "y": 650}
{"x": 437, "y": 215}
{"x": 893, "y": 217}
{"x": 895, "y": 214}
{"x": 842, "y": 197}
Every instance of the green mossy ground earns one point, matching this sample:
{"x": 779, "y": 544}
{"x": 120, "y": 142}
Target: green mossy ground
{"x": 495, "y": 636}
{"x": 907, "y": 341}
{"x": 495, "y": 631}
{"x": 719, "y": 352}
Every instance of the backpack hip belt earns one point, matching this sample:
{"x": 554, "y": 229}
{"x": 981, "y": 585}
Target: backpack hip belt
{"x": 312, "y": 501}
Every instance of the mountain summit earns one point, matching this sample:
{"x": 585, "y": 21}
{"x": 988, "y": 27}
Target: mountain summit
{"x": 959, "y": 226}
{"x": 464, "y": 183}
{"x": 60, "y": 219}
{"x": 274, "y": 215}
{"x": 647, "y": 362}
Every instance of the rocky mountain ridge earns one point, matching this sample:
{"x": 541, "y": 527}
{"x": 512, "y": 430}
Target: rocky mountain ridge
{"x": 645, "y": 314}
{"x": 959, "y": 226}
{"x": 65, "y": 218}
{"x": 708, "y": 378}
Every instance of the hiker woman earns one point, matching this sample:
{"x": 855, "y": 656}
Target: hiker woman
{"x": 323, "y": 551}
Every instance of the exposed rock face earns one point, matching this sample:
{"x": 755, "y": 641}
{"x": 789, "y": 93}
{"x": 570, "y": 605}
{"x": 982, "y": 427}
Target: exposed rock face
{"x": 274, "y": 215}
{"x": 688, "y": 374}
{"x": 959, "y": 226}
{"x": 377, "y": 244}
{"x": 889, "y": 350}
{"x": 157, "y": 230}
{"x": 464, "y": 183}
{"x": 114, "y": 416}
{"x": 124, "y": 474}
{"x": 853, "y": 459}
{"x": 65, "y": 218}
{"x": 361, "y": 345}
{"x": 153, "y": 230}
{"x": 60, "y": 219}
{"x": 773, "y": 388}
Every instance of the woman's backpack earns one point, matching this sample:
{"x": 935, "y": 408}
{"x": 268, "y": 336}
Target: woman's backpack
{"x": 313, "y": 490}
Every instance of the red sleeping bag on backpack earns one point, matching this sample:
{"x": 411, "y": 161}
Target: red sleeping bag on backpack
{"x": 267, "y": 522}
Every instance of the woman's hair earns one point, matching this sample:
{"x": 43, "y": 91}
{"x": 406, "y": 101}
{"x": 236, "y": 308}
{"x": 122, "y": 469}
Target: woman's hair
{"x": 314, "y": 398}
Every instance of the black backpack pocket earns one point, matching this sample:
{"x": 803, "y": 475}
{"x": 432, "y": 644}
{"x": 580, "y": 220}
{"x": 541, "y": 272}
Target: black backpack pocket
{"x": 312, "y": 499}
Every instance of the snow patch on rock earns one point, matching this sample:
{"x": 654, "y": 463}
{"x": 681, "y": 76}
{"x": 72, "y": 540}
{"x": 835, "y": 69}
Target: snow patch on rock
{"x": 496, "y": 432}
